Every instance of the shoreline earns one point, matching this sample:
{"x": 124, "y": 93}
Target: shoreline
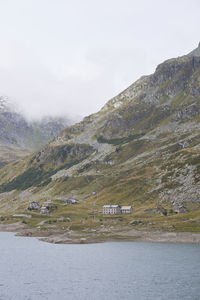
{"x": 63, "y": 237}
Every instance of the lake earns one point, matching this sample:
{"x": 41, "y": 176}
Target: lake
{"x": 34, "y": 270}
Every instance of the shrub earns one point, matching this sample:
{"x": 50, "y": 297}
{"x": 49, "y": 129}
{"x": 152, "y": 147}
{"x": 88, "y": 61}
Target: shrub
{"x": 117, "y": 141}
{"x": 31, "y": 177}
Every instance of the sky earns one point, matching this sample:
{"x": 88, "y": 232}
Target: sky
{"x": 69, "y": 57}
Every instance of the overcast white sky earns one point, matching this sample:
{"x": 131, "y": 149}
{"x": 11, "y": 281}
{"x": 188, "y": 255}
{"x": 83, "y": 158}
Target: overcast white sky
{"x": 72, "y": 56}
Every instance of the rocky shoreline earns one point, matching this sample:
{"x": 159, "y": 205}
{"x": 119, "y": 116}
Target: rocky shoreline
{"x": 61, "y": 237}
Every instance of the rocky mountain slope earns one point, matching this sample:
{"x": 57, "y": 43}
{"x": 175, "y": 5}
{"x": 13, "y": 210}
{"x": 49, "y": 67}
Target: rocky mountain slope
{"x": 141, "y": 149}
{"x": 19, "y": 137}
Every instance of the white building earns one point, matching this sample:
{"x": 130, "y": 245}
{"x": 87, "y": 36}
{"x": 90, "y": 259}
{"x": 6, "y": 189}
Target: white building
{"x": 44, "y": 210}
{"x": 126, "y": 210}
{"x": 116, "y": 209}
{"x": 111, "y": 209}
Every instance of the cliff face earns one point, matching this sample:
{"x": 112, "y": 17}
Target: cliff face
{"x": 142, "y": 148}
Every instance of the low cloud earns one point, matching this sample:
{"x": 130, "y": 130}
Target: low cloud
{"x": 70, "y": 58}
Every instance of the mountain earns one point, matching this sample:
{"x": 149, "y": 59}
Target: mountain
{"x": 19, "y": 137}
{"x": 141, "y": 149}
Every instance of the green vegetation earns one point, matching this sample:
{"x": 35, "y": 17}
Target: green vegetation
{"x": 31, "y": 177}
{"x": 85, "y": 168}
{"x": 118, "y": 141}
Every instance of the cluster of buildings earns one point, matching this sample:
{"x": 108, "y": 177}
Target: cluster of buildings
{"x": 44, "y": 209}
{"x": 116, "y": 209}
{"x": 107, "y": 209}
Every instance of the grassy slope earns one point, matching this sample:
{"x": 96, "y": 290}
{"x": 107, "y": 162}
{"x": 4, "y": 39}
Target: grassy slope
{"x": 147, "y": 167}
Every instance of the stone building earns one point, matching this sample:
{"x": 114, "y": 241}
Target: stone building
{"x": 34, "y": 205}
{"x": 71, "y": 201}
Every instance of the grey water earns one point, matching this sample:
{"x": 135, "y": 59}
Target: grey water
{"x": 31, "y": 269}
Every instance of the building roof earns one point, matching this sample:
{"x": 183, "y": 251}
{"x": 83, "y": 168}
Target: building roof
{"x": 111, "y": 206}
{"x": 126, "y": 207}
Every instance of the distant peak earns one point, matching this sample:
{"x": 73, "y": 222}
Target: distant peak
{"x": 7, "y": 105}
{"x": 195, "y": 52}
{"x": 4, "y": 103}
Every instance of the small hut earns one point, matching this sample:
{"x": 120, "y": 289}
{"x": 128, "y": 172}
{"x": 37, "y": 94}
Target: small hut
{"x": 44, "y": 210}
